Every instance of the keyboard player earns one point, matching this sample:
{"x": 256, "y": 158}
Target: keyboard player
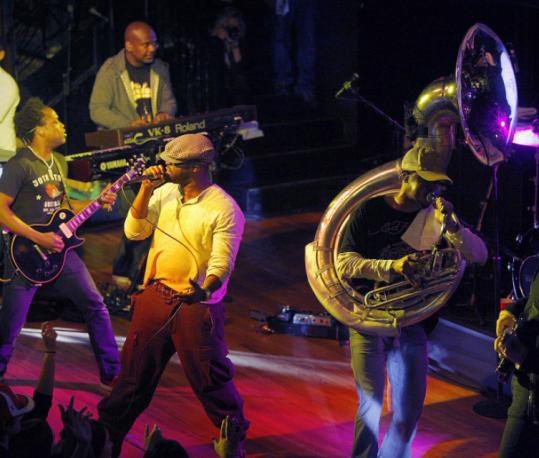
{"x": 132, "y": 88}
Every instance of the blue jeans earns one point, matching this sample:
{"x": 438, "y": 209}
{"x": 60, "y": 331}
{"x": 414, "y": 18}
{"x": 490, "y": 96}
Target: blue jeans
{"x": 406, "y": 360}
{"x": 302, "y": 19}
{"x": 76, "y": 284}
{"x": 520, "y": 437}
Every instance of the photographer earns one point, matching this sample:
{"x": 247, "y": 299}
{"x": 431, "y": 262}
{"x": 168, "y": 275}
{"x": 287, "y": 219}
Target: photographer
{"x": 227, "y": 82}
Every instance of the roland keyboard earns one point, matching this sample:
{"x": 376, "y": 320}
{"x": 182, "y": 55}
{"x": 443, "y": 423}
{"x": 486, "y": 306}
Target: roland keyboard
{"x": 227, "y": 118}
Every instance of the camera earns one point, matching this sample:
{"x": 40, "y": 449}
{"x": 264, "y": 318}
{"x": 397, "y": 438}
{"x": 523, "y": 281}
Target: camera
{"x": 233, "y": 33}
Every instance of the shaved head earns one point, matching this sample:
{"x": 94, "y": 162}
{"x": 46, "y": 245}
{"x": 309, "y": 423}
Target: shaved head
{"x": 140, "y": 44}
{"x": 136, "y": 29}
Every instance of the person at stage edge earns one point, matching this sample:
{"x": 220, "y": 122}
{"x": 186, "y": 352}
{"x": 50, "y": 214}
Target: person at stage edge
{"x": 378, "y": 246}
{"x": 10, "y": 99}
{"x": 196, "y": 230}
{"x": 521, "y": 433}
{"x": 133, "y": 88}
{"x": 31, "y": 189}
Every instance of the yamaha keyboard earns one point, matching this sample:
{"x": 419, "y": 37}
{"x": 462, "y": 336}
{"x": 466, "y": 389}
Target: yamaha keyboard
{"x": 107, "y": 163}
{"x": 227, "y": 118}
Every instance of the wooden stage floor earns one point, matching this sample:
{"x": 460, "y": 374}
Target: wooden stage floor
{"x": 299, "y": 392}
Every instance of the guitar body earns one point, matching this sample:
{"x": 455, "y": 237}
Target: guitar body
{"x": 37, "y": 264}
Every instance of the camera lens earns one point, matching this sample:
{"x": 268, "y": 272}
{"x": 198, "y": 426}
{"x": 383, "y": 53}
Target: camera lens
{"x": 233, "y": 33}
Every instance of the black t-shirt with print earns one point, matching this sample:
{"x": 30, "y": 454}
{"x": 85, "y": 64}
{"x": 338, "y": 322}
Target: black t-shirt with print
{"x": 38, "y": 191}
{"x": 375, "y": 229}
{"x": 140, "y": 85}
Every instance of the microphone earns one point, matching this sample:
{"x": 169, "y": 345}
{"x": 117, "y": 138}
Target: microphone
{"x": 347, "y": 85}
{"x": 149, "y": 177}
{"x": 96, "y": 13}
{"x": 431, "y": 197}
{"x": 449, "y": 218}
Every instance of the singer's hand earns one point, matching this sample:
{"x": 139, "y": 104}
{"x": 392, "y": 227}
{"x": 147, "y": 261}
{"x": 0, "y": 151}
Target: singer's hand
{"x": 192, "y": 294}
{"x": 158, "y": 172}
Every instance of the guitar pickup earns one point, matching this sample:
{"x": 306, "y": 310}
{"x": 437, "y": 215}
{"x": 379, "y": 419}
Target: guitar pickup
{"x": 65, "y": 230}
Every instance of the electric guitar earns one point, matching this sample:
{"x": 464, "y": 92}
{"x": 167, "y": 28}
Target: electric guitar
{"x": 39, "y": 265}
{"x": 526, "y": 333}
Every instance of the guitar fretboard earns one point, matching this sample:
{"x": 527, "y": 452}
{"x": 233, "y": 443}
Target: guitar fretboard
{"x": 74, "y": 223}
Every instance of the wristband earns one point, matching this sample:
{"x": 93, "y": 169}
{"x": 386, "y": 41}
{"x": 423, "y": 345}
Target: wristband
{"x": 50, "y": 352}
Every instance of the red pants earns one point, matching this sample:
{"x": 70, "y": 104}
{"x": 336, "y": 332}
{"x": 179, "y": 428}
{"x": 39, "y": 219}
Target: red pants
{"x": 196, "y": 333}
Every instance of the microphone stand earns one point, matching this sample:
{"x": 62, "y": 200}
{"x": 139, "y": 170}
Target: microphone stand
{"x": 397, "y": 127}
{"x": 359, "y": 98}
{"x": 495, "y": 407}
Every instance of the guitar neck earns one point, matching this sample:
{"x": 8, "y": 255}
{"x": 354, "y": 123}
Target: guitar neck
{"x": 74, "y": 223}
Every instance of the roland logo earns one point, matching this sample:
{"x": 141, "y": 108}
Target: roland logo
{"x": 183, "y": 127}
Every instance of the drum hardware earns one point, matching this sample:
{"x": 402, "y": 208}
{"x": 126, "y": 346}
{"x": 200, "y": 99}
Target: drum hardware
{"x": 524, "y": 267}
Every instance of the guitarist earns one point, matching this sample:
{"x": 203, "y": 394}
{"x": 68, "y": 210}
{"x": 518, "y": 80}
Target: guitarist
{"x": 31, "y": 190}
{"x": 521, "y": 434}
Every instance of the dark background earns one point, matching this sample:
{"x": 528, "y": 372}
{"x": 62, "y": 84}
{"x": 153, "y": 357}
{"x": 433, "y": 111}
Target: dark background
{"x": 396, "y": 47}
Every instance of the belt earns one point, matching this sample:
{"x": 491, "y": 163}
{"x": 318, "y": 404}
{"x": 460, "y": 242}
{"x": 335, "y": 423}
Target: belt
{"x": 171, "y": 295}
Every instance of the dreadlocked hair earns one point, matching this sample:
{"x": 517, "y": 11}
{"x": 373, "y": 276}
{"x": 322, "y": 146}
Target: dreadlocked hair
{"x": 28, "y": 118}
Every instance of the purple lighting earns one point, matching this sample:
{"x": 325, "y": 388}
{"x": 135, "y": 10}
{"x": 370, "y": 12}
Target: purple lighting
{"x": 526, "y": 136}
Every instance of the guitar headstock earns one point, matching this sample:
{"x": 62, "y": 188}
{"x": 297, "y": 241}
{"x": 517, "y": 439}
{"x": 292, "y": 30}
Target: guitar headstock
{"x": 137, "y": 164}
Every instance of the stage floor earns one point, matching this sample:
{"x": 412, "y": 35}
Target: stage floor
{"x": 299, "y": 392}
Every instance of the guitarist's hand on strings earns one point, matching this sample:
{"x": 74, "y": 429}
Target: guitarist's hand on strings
{"x": 107, "y": 199}
{"x": 50, "y": 240}
{"x": 505, "y": 324}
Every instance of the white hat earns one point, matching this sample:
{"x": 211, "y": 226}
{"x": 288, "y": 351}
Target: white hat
{"x": 189, "y": 148}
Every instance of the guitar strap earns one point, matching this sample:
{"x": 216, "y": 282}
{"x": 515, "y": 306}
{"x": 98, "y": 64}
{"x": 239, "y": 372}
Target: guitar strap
{"x": 4, "y": 256}
{"x": 62, "y": 178}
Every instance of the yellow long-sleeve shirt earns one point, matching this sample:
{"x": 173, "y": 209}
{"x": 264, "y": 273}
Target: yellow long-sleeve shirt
{"x": 194, "y": 239}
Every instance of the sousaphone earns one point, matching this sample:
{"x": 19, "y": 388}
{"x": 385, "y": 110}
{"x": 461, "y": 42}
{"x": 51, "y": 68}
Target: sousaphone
{"x": 482, "y": 97}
